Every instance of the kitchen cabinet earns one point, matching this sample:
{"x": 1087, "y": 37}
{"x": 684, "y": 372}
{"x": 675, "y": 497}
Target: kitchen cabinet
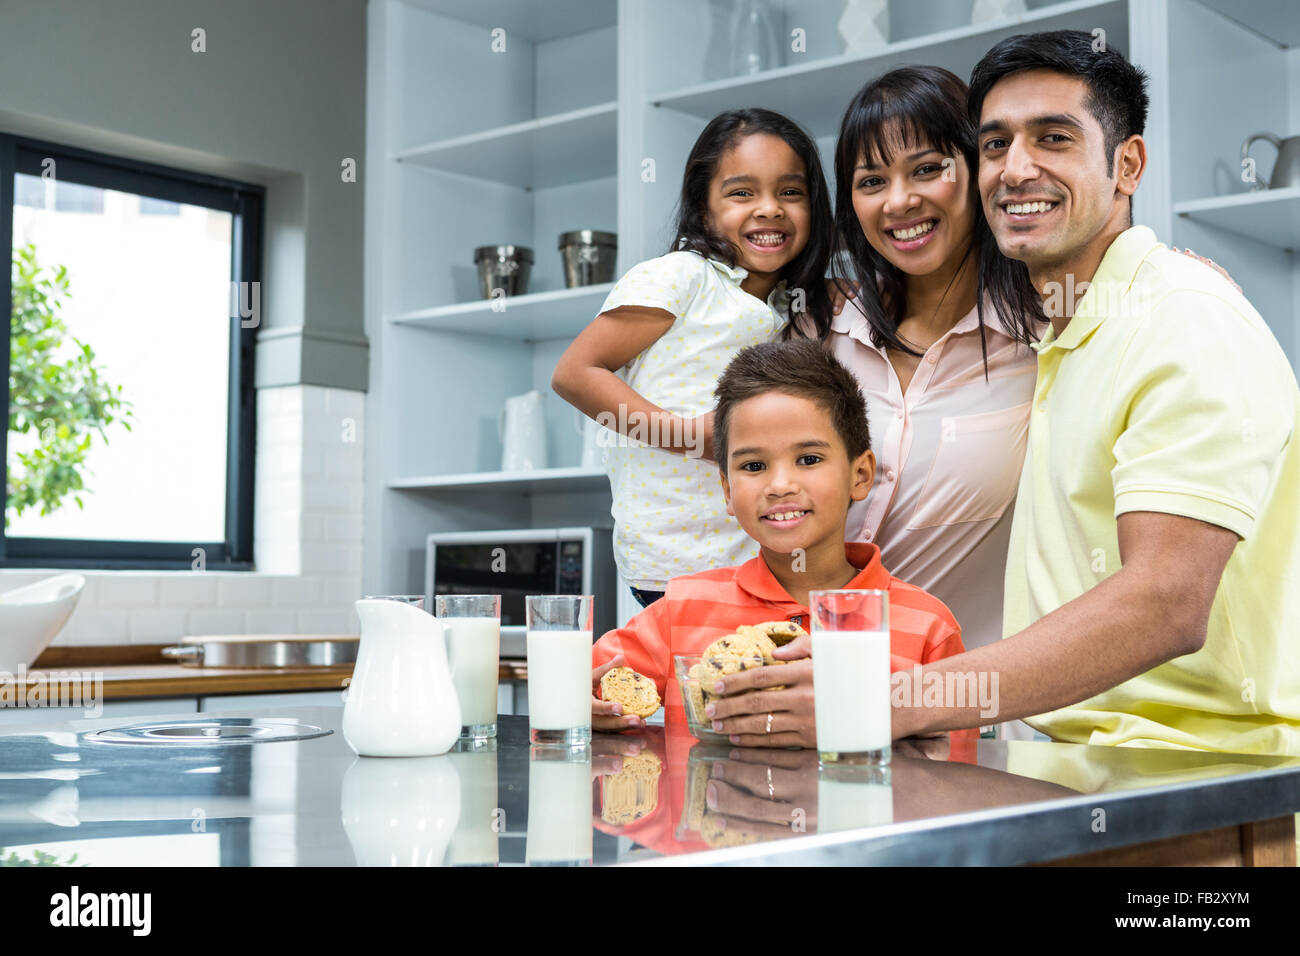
{"x": 503, "y": 123}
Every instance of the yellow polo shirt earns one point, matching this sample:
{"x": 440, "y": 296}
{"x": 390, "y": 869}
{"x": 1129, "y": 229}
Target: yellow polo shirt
{"x": 1168, "y": 393}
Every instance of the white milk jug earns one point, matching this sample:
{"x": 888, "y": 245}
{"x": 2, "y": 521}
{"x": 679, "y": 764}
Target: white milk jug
{"x": 401, "y": 701}
{"x": 522, "y": 427}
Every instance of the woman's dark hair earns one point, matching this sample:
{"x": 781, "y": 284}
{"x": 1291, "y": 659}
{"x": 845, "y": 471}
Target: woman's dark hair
{"x": 922, "y": 105}
{"x": 1117, "y": 96}
{"x": 807, "y": 271}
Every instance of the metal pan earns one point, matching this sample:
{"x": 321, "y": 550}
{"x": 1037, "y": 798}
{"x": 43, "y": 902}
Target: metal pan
{"x": 264, "y": 651}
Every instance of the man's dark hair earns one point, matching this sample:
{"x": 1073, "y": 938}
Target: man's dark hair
{"x": 1117, "y": 96}
{"x": 799, "y": 367}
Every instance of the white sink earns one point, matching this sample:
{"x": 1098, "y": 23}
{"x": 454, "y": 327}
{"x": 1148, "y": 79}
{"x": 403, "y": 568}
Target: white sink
{"x": 32, "y": 616}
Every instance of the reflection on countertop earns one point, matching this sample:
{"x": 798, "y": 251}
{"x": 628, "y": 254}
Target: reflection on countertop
{"x": 655, "y": 794}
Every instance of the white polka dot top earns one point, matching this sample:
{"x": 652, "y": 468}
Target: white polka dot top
{"x": 669, "y": 514}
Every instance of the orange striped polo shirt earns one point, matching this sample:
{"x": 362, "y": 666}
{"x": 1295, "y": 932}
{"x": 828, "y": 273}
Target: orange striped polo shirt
{"x": 697, "y": 609}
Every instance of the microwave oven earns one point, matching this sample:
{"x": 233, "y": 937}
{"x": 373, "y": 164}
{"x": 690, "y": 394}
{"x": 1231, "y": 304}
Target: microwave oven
{"x": 517, "y": 563}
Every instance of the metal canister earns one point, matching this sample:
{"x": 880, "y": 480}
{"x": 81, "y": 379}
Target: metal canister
{"x": 505, "y": 268}
{"x": 588, "y": 257}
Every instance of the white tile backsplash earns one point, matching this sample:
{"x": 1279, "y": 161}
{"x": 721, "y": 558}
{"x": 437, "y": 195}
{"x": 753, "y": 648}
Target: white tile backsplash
{"x": 307, "y": 540}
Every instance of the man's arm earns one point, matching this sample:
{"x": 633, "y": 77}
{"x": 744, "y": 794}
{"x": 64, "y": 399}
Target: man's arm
{"x": 1155, "y": 608}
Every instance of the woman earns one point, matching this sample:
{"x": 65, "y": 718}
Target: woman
{"x": 938, "y": 334}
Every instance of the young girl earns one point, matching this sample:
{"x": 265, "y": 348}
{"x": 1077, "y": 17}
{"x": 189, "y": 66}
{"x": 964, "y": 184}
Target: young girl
{"x": 752, "y": 244}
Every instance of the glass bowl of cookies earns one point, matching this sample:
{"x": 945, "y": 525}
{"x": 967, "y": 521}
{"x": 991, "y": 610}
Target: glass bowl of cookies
{"x": 694, "y": 697}
{"x": 750, "y": 646}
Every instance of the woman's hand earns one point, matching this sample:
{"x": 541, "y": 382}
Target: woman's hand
{"x": 1212, "y": 264}
{"x": 840, "y": 292}
{"x": 754, "y": 715}
{"x": 608, "y": 714}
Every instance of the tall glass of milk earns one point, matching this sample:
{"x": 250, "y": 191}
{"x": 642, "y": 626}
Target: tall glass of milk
{"x": 559, "y": 643}
{"x": 472, "y": 623}
{"x": 850, "y": 653}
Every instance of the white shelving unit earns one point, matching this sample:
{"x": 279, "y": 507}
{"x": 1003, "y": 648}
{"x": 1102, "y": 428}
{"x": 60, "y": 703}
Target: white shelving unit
{"x": 1216, "y": 50}
{"x": 816, "y": 92}
{"x": 535, "y": 154}
{"x": 470, "y": 144}
{"x": 540, "y": 315}
{"x": 545, "y": 481}
{"x": 1270, "y": 216}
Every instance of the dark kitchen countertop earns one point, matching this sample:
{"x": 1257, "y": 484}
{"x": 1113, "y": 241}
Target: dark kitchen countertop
{"x": 315, "y": 803}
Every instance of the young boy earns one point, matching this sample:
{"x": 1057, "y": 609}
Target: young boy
{"x": 791, "y": 439}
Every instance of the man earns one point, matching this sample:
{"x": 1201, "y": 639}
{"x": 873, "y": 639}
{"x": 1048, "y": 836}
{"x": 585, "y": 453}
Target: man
{"x": 1153, "y": 580}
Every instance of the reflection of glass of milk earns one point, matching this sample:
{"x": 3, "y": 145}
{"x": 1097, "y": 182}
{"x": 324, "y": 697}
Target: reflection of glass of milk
{"x": 474, "y": 645}
{"x": 850, "y": 653}
{"x": 559, "y": 806}
{"x": 559, "y": 680}
{"x": 475, "y": 841}
{"x": 850, "y": 802}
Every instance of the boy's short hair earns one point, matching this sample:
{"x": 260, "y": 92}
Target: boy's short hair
{"x": 799, "y": 367}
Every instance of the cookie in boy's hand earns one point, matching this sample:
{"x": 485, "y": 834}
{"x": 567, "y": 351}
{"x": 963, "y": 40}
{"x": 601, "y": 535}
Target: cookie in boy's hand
{"x": 636, "y": 692}
{"x": 779, "y": 633}
{"x": 741, "y": 651}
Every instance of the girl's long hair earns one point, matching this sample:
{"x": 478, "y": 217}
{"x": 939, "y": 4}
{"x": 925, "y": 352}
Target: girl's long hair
{"x": 926, "y": 105}
{"x": 807, "y": 271}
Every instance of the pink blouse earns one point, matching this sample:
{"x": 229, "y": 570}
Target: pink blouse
{"x": 948, "y": 460}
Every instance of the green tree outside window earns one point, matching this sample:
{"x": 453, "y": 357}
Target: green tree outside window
{"x": 55, "y": 392}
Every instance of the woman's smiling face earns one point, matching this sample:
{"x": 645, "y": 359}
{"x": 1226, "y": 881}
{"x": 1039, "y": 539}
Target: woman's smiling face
{"x": 916, "y": 211}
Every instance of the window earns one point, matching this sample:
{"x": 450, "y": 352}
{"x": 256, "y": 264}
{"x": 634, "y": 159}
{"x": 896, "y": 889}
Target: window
{"x": 135, "y": 294}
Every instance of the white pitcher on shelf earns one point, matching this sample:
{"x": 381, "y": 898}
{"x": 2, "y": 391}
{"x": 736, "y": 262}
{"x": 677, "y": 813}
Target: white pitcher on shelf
{"x": 593, "y": 444}
{"x": 522, "y": 427}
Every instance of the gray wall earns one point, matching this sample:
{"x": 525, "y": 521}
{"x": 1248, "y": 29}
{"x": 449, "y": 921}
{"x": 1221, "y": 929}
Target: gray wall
{"x": 277, "y": 99}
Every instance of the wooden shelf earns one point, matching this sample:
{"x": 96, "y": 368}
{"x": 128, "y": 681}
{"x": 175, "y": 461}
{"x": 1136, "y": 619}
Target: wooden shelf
{"x": 536, "y": 154}
{"x": 538, "y": 20}
{"x": 817, "y": 93}
{"x": 1275, "y": 20}
{"x": 1271, "y": 216}
{"x": 545, "y": 481}
{"x": 561, "y": 313}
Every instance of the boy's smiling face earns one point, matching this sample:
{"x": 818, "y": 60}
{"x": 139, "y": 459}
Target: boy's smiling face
{"x": 789, "y": 479}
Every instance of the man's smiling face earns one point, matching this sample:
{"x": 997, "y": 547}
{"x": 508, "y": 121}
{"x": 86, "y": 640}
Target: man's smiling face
{"x": 1048, "y": 187}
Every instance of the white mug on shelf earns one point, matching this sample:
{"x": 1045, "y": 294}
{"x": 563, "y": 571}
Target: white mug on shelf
{"x": 522, "y": 427}
{"x": 593, "y": 451}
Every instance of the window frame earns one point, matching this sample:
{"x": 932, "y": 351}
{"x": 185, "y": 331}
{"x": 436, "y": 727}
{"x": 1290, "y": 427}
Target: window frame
{"x": 246, "y": 203}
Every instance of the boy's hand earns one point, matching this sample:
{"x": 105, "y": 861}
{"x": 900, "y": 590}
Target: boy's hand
{"x": 607, "y": 715}
{"x": 743, "y": 713}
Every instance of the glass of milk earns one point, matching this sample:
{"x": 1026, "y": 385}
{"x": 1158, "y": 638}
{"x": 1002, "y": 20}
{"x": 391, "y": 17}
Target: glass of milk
{"x": 559, "y": 643}
{"x": 472, "y": 624}
{"x": 850, "y": 654}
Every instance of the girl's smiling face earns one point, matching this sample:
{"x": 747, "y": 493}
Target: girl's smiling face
{"x": 758, "y": 201}
{"x": 917, "y": 211}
